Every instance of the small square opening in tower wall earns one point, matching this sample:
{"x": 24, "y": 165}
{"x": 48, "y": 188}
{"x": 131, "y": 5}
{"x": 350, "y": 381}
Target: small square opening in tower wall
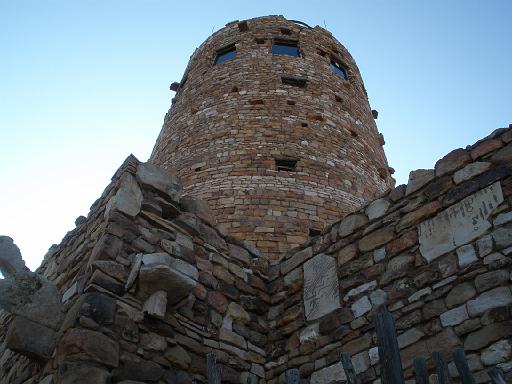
{"x": 288, "y": 164}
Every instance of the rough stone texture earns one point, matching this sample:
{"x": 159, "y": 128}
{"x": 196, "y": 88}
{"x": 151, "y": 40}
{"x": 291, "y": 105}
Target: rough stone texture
{"x": 418, "y": 179}
{"x": 30, "y": 338}
{"x": 215, "y": 123}
{"x": 250, "y": 312}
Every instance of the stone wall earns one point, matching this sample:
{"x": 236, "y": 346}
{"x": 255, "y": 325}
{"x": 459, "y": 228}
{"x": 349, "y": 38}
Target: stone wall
{"x": 230, "y": 122}
{"x": 148, "y": 285}
{"x": 436, "y": 252}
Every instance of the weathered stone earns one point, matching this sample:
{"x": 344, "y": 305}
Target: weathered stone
{"x": 178, "y": 357}
{"x": 297, "y": 259}
{"x": 86, "y": 345}
{"x": 376, "y": 239}
{"x": 418, "y": 179}
{"x": 502, "y": 218}
{"x": 156, "y": 177}
{"x": 485, "y": 147}
{"x": 488, "y": 334}
{"x": 351, "y": 223}
{"x": 238, "y": 313}
{"x": 218, "y": 301}
{"x": 454, "y": 316}
{"x": 361, "y": 362}
{"x": 491, "y": 279}
{"x": 466, "y": 255}
{"x": 328, "y": 374}
{"x": 496, "y": 353}
{"x": 239, "y": 253}
{"x": 30, "y": 339}
{"x": 470, "y": 170}
{"x": 105, "y": 281}
{"x": 156, "y": 304}
{"x": 112, "y": 268}
{"x": 162, "y": 272}
{"x": 346, "y": 254}
{"x": 456, "y": 226}
{"x": 433, "y": 309}
{"x": 460, "y": 294}
{"x": 321, "y": 290}
{"x": 198, "y": 207}
{"x": 409, "y": 337}
{"x": 153, "y": 342}
{"x": 502, "y": 237}
{"x": 402, "y": 243}
{"x": 378, "y": 297}
{"x": 496, "y": 297}
{"x": 453, "y": 160}
{"x": 97, "y": 306}
{"x": 378, "y": 254}
{"x": 361, "y": 306}
{"x": 419, "y": 294}
{"x": 232, "y": 337}
{"x": 421, "y": 213}
{"x": 484, "y": 245}
{"x": 503, "y": 156}
{"x": 360, "y": 289}
{"x": 128, "y": 198}
{"x": 310, "y": 333}
{"x": 397, "y": 266}
{"x": 132, "y": 367}
{"x": 81, "y": 373}
{"x": 377, "y": 208}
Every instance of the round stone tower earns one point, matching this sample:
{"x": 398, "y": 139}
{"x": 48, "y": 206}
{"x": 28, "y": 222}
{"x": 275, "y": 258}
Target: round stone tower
{"x": 271, "y": 125}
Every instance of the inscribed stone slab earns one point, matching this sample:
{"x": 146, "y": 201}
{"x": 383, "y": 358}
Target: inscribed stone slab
{"x": 321, "y": 289}
{"x": 459, "y": 223}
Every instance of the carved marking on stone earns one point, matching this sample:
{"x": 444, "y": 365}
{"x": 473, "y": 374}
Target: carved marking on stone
{"x": 321, "y": 290}
{"x": 459, "y": 223}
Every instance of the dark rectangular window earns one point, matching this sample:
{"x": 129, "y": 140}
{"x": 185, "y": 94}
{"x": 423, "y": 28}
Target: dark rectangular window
{"x": 286, "y": 164}
{"x": 296, "y": 82}
{"x": 338, "y": 69}
{"x": 226, "y": 54}
{"x": 287, "y": 48}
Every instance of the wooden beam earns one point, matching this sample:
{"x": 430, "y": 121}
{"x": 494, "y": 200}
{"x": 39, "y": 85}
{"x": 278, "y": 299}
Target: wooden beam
{"x": 292, "y": 376}
{"x": 389, "y": 353}
{"x": 459, "y": 357}
{"x": 212, "y": 370}
{"x": 496, "y": 376}
{"x": 420, "y": 370}
{"x": 443, "y": 376}
{"x": 349, "y": 368}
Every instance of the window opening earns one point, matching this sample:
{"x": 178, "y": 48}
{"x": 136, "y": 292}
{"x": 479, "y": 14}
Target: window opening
{"x": 338, "y": 69}
{"x": 314, "y": 232}
{"x": 294, "y": 81}
{"x": 286, "y": 48}
{"x": 286, "y": 164}
{"x": 226, "y": 54}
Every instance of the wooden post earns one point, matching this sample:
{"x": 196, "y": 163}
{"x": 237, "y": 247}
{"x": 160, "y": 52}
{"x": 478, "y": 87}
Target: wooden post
{"x": 389, "y": 353}
{"x": 496, "y": 376}
{"x": 349, "y": 368}
{"x": 459, "y": 357}
{"x": 443, "y": 376}
{"x": 420, "y": 370}
{"x": 212, "y": 369}
{"x": 292, "y": 376}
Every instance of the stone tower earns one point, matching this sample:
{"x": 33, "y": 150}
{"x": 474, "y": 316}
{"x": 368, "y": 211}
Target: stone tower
{"x": 271, "y": 125}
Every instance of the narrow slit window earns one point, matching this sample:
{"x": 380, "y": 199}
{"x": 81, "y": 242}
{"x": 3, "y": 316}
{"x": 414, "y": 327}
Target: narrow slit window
{"x": 338, "y": 69}
{"x": 287, "y": 164}
{"x": 294, "y": 81}
{"x": 314, "y": 232}
{"x": 226, "y": 54}
{"x": 286, "y": 48}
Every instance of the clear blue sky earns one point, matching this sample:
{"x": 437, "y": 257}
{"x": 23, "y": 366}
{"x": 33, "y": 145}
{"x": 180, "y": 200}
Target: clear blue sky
{"x": 85, "y": 83}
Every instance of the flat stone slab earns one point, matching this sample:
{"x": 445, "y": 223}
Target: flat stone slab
{"x": 321, "y": 288}
{"x": 459, "y": 223}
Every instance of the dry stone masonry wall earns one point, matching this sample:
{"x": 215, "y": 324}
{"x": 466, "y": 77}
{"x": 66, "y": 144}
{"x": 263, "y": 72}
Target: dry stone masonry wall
{"x": 231, "y": 121}
{"x": 436, "y": 252}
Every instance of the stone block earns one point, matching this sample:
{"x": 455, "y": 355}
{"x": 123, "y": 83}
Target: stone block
{"x": 481, "y": 338}
{"x": 297, "y": 259}
{"x": 328, "y": 374}
{"x": 496, "y": 297}
{"x": 460, "y": 294}
{"x": 454, "y": 316}
{"x": 128, "y": 198}
{"x": 456, "y": 225}
{"x": 132, "y": 367}
{"x": 409, "y": 337}
{"x": 470, "y": 170}
{"x": 491, "y": 279}
{"x": 154, "y": 176}
{"x": 466, "y": 255}
{"x": 361, "y": 306}
{"x": 452, "y": 161}
{"x": 30, "y": 339}
{"x": 496, "y": 353}
{"x": 156, "y": 304}
{"x": 82, "y": 373}
{"x": 377, "y": 208}
{"x": 503, "y": 156}
{"x": 376, "y": 239}
{"x": 418, "y": 179}
{"x": 321, "y": 289}
{"x": 351, "y": 223}
{"x": 86, "y": 345}
{"x": 178, "y": 357}
{"x": 502, "y": 237}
